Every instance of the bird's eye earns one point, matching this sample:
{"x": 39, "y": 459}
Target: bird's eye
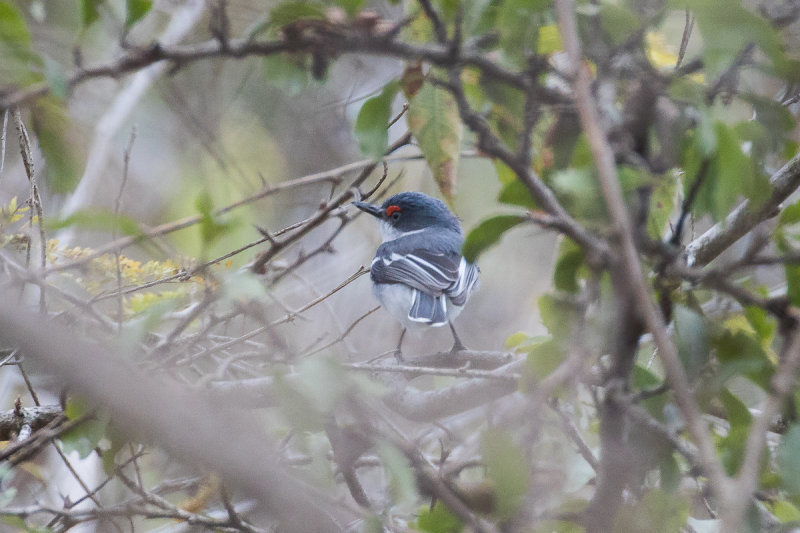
{"x": 393, "y": 212}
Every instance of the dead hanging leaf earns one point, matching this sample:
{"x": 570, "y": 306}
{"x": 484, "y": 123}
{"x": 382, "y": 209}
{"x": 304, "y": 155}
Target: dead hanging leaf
{"x": 412, "y": 79}
{"x": 433, "y": 120}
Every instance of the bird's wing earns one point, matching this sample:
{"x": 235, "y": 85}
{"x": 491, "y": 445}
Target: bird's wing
{"x": 429, "y": 271}
{"x": 466, "y": 282}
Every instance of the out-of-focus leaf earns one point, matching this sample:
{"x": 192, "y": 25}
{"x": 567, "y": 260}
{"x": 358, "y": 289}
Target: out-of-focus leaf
{"x": 785, "y": 511}
{"x": 791, "y": 271}
{"x": 14, "y": 32}
{"x": 287, "y": 12}
{"x": 732, "y": 445}
{"x": 558, "y": 315}
{"x": 487, "y": 233}
{"x": 516, "y": 193}
{"x": 135, "y": 10}
{"x": 570, "y": 260}
{"x": 504, "y": 173}
{"x": 287, "y": 72}
{"x": 558, "y": 526}
{"x": 90, "y": 11}
{"x": 662, "y": 204}
{"x": 95, "y": 219}
{"x": 401, "y": 477}
{"x": 789, "y": 460}
{"x": 729, "y": 175}
{"x": 514, "y": 21}
{"x": 727, "y": 28}
{"x": 51, "y": 124}
{"x": 790, "y": 214}
{"x": 85, "y": 437}
{"x": 763, "y": 324}
{"x": 656, "y": 512}
{"x": 56, "y": 77}
{"x": 351, "y": 7}
{"x": 618, "y": 22}
{"x": 693, "y": 343}
{"x": 549, "y": 40}
{"x": 508, "y": 468}
{"x": 19, "y": 61}
{"x": 437, "y": 519}
{"x": 740, "y": 354}
{"x": 373, "y": 121}
{"x": 543, "y": 358}
{"x": 212, "y": 226}
{"x": 434, "y": 121}
{"x": 578, "y": 188}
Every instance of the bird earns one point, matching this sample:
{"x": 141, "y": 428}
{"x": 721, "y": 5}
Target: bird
{"x": 418, "y": 274}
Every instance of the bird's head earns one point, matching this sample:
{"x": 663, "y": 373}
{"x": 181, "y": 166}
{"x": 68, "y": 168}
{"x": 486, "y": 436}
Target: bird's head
{"x": 410, "y": 212}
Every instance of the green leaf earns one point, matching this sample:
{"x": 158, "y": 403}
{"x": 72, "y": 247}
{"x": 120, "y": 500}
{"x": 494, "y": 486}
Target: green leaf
{"x": 729, "y": 175}
{"x": 438, "y": 519}
{"x": 85, "y": 437}
{"x": 789, "y": 460}
{"x": 656, "y": 512}
{"x": 548, "y": 40}
{"x": 693, "y": 343}
{"x": 487, "y": 233}
{"x": 288, "y": 12}
{"x": 373, "y": 122}
{"x": 763, "y": 324}
{"x": 516, "y": 193}
{"x": 401, "y": 477}
{"x": 618, "y": 22}
{"x": 90, "y": 11}
{"x": 434, "y": 121}
{"x": 95, "y": 219}
{"x": 662, "y": 204}
{"x": 13, "y": 31}
{"x": 504, "y": 173}
{"x": 543, "y": 358}
{"x": 790, "y": 214}
{"x": 515, "y": 19}
{"x": 212, "y": 226}
{"x": 56, "y": 77}
{"x": 508, "y": 468}
{"x": 727, "y": 28}
{"x": 733, "y": 444}
{"x": 570, "y": 260}
{"x": 18, "y": 59}
{"x": 135, "y": 10}
{"x": 51, "y": 125}
{"x": 558, "y": 315}
{"x": 785, "y": 511}
{"x": 287, "y": 72}
{"x": 351, "y": 7}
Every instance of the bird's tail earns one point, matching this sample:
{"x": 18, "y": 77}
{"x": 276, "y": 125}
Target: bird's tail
{"x": 428, "y": 309}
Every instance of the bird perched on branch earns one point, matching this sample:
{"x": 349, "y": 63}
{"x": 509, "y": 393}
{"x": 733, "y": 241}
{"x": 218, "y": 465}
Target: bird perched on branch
{"x": 418, "y": 274}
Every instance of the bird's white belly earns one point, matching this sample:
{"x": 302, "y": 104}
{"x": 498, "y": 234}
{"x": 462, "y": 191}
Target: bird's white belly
{"x": 396, "y": 298}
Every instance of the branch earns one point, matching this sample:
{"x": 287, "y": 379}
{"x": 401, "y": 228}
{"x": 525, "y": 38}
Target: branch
{"x": 185, "y": 424}
{"x": 11, "y": 422}
{"x": 334, "y": 39}
{"x": 745, "y": 217}
{"x": 612, "y": 193}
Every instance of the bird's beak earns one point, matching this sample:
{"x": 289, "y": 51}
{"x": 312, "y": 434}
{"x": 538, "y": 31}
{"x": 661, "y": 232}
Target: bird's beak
{"x": 372, "y": 209}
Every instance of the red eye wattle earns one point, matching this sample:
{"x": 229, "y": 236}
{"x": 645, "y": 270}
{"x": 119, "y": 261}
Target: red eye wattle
{"x": 392, "y": 209}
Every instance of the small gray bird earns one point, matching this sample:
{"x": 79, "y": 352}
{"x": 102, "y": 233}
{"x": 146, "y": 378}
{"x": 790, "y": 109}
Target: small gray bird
{"x": 418, "y": 273}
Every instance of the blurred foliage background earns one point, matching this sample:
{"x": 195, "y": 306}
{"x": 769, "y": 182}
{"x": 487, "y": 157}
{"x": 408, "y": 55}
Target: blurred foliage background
{"x": 175, "y": 181}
